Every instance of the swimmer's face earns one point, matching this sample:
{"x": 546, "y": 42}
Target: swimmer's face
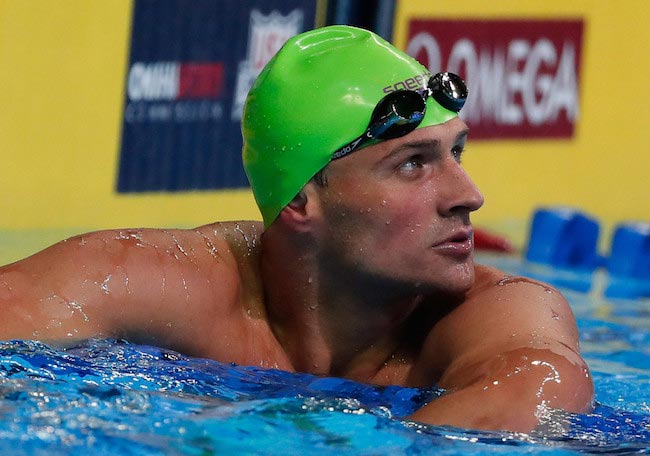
{"x": 400, "y": 210}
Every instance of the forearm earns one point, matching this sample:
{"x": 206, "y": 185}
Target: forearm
{"x": 513, "y": 392}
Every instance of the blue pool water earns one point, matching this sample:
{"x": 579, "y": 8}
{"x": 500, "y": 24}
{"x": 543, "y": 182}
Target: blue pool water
{"x": 111, "y": 397}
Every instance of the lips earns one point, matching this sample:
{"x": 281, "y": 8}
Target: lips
{"x": 460, "y": 243}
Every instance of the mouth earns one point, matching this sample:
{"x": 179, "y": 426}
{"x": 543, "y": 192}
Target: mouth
{"x": 460, "y": 243}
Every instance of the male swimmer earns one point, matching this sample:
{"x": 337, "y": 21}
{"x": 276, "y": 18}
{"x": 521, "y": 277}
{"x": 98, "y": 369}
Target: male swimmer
{"x": 362, "y": 269}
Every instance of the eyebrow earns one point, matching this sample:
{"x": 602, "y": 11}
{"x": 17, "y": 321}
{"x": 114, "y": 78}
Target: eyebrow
{"x": 462, "y": 134}
{"x": 431, "y": 144}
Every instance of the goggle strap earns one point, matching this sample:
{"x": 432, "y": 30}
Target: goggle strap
{"x": 350, "y": 147}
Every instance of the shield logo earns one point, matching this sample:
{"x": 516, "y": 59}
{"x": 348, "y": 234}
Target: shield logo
{"x": 266, "y": 35}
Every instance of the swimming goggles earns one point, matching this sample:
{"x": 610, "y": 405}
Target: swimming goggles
{"x": 400, "y": 112}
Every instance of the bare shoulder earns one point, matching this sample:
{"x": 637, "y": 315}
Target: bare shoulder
{"x": 518, "y": 309}
{"x": 172, "y": 287}
{"x": 502, "y": 313}
{"x": 527, "y": 303}
{"x": 242, "y": 240}
{"x": 511, "y": 345}
{"x": 242, "y": 237}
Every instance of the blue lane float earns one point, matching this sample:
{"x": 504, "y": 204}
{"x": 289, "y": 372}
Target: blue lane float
{"x": 566, "y": 239}
{"x": 629, "y": 262}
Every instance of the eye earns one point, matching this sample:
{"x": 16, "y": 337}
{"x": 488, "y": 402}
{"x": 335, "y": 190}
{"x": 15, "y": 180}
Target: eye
{"x": 457, "y": 152}
{"x": 411, "y": 164}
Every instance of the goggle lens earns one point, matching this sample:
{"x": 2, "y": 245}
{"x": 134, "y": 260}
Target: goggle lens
{"x": 449, "y": 90}
{"x": 400, "y": 112}
{"x": 396, "y": 115}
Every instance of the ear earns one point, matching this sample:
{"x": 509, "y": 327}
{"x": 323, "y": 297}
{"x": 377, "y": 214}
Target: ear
{"x": 299, "y": 214}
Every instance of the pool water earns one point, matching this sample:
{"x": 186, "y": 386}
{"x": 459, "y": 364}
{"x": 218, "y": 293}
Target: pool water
{"x": 112, "y": 397}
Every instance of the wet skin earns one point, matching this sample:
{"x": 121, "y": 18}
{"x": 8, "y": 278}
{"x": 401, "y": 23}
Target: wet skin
{"x": 370, "y": 277}
{"x": 401, "y": 211}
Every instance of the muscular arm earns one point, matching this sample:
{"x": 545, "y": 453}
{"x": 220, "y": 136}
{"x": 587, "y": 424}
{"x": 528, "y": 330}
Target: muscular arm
{"x": 508, "y": 357}
{"x": 147, "y": 285}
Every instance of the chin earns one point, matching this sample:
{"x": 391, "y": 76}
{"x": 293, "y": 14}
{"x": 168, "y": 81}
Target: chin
{"x": 458, "y": 280}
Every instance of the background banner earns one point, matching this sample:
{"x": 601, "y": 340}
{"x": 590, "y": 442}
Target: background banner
{"x": 558, "y": 102}
{"x": 190, "y": 68}
{"x": 138, "y": 95}
{"x": 524, "y": 74}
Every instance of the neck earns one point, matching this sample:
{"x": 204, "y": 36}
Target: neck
{"x": 332, "y": 321}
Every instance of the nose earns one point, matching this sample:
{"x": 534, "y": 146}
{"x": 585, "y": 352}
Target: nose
{"x": 459, "y": 194}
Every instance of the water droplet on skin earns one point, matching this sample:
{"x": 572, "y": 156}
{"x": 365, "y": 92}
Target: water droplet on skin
{"x": 54, "y": 324}
{"x": 313, "y": 306}
{"x": 104, "y": 285}
{"x": 251, "y": 243}
{"x": 186, "y": 288}
{"x": 387, "y": 222}
{"x": 212, "y": 249}
{"x": 383, "y": 202}
{"x": 507, "y": 280}
{"x": 310, "y": 279}
{"x": 78, "y": 308}
{"x": 130, "y": 235}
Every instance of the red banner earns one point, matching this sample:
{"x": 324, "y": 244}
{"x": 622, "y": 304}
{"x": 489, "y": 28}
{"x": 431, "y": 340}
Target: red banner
{"x": 523, "y": 75}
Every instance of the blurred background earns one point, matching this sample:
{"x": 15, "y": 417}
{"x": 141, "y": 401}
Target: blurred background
{"x": 126, "y": 113}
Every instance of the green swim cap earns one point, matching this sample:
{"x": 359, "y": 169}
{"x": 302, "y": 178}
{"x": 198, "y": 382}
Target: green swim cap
{"x": 314, "y": 96}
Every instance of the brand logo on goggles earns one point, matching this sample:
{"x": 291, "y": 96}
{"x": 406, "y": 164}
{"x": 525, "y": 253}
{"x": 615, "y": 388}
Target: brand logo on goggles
{"x": 415, "y": 83}
{"x": 347, "y": 149}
